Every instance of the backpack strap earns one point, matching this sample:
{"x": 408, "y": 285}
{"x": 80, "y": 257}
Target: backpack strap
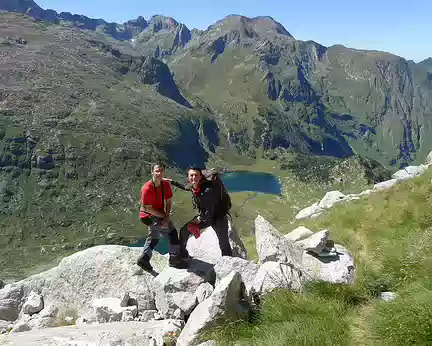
{"x": 163, "y": 198}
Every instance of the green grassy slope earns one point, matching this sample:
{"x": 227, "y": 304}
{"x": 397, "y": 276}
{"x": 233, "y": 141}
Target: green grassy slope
{"x": 389, "y": 234}
{"x": 78, "y": 131}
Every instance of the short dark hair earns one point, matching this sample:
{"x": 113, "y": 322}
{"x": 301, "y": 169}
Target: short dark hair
{"x": 193, "y": 168}
{"x": 159, "y": 164}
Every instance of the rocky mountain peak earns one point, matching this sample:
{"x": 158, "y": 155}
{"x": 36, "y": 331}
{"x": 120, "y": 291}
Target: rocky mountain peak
{"x": 159, "y": 22}
{"x": 139, "y": 22}
{"x": 268, "y": 24}
{"x": 257, "y": 26}
{"x": 18, "y": 5}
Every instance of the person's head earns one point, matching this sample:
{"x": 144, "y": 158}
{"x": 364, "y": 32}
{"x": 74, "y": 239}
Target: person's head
{"x": 158, "y": 171}
{"x": 194, "y": 176}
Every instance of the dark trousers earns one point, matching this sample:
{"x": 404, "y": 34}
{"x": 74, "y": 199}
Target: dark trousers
{"x": 220, "y": 226}
{"x": 155, "y": 233}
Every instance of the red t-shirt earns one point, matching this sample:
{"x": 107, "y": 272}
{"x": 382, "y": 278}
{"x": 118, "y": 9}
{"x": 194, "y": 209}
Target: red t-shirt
{"x": 150, "y": 196}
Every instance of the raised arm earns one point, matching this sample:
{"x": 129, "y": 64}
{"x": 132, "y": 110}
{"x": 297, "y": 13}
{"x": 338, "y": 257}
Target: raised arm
{"x": 184, "y": 187}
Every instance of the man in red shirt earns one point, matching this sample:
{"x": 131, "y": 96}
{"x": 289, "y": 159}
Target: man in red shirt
{"x": 156, "y": 203}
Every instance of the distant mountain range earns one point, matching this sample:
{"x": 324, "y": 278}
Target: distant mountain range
{"x": 84, "y": 112}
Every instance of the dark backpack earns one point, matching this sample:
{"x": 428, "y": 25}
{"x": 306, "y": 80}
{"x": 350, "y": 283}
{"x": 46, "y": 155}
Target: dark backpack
{"x": 214, "y": 176}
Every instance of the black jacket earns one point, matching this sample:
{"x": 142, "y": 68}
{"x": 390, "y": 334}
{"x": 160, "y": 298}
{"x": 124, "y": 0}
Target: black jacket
{"x": 207, "y": 201}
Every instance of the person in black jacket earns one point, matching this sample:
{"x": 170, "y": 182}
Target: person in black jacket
{"x": 213, "y": 204}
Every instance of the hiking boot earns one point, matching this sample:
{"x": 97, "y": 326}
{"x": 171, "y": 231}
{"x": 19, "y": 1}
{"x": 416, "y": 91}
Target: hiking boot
{"x": 177, "y": 262}
{"x": 144, "y": 263}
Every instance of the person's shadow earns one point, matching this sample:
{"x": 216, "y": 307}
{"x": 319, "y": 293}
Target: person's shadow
{"x": 202, "y": 269}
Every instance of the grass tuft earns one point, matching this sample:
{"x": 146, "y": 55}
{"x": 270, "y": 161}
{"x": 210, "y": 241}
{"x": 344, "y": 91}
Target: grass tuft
{"x": 390, "y": 236}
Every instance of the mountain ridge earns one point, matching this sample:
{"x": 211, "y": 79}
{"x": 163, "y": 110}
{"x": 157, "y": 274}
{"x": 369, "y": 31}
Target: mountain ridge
{"x": 83, "y": 114}
{"x": 132, "y": 28}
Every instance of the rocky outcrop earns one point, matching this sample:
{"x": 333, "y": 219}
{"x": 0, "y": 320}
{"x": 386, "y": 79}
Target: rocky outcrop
{"x": 247, "y": 269}
{"x": 206, "y": 247}
{"x": 123, "y": 31}
{"x": 11, "y": 301}
{"x": 299, "y": 233}
{"x": 314, "y": 258}
{"x": 223, "y": 302}
{"x": 156, "y": 73}
{"x": 333, "y": 197}
{"x": 129, "y": 333}
{"x": 111, "y": 310}
{"x": 176, "y": 290}
{"x": 34, "y": 304}
{"x": 272, "y": 246}
{"x": 102, "y": 288}
{"x": 83, "y": 277}
{"x": 272, "y": 275}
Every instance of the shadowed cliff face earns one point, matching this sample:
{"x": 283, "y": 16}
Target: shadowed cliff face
{"x": 330, "y": 101}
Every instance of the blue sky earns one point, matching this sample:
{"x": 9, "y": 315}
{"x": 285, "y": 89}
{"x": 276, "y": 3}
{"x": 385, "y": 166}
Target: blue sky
{"x": 399, "y": 27}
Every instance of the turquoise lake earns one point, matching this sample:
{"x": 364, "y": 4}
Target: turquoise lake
{"x": 244, "y": 181}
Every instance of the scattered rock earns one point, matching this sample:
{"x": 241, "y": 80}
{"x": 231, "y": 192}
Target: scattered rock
{"x": 5, "y": 326}
{"x": 365, "y": 193}
{"x": 305, "y": 265}
{"x": 11, "y": 301}
{"x": 334, "y": 197}
{"x": 80, "y": 321}
{"x": 20, "y": 326}
{"x": 330, "y": 199}
{"x": 128, "y": 333}
{"x": 388, "y": 296}
{"x": 385, "y": 184}
{"x": 109, "y": 310}
{"x": 45, "y": 162}
{"x": 298, "y": 234}
{"x": 148, "y": 315}
{"x": 272, "y": 246}
{"x": 127, "y": 316}
{"x": 415, "y": 171}
{"x": 208, "y": 343}
{"x": 429, "y": 159}
{"x": 176, "y": 288}
{"x": 125, "y": 300}
{"x": 2, "y": 284}
{"x": 49, "y": 312}
{"x": 204, "y": 291}
{"x": 316, "y": 243}
{"x": 336, "y": 270}
{"x": 272, "y": 275}
{"x": 410, "y": 172}
{"x": 401, "y": 175}
{"x": 158, "y": 317}
{"x": 179, "y": 314}
{"x": 34, "y": 304}
{"x": 224, "y": 302}
{"x": 313, "y": 211}
{"x": 21, "y": 40}
{"x": 248, "y": 270}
